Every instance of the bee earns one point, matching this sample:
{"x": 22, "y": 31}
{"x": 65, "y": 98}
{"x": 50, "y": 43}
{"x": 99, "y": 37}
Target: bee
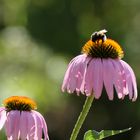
{"x": 99, "y": 35}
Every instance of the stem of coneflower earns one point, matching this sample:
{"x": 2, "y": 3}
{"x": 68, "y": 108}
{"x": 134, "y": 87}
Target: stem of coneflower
{"x": 82, "y": 117}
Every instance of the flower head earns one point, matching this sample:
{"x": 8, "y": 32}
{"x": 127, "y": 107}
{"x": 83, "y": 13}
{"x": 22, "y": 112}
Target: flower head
{"x": 21, "y": 121}
{"x": 100, "y": 66}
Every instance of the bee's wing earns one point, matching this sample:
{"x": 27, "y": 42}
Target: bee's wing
{"x": 102, "y": 31}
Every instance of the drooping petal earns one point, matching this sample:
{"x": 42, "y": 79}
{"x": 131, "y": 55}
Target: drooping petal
{"x": 43, "y": 125}
{"x": 97, "y": 77}
{"x": 31, "y": 126}
{"x": 118, "y": 78}
{"x": 80, "y": 76}
{"x": 12, "y": 124}
{"x": 130, "y": 80}
{"x": 45, "y": 130}
{"x": 108, "y": 74}
{"x": 87, "y": 84}
{"x": 94, "y": 78}
{"x": 70, "y": 73}
{"x": 24, "y": 125}
{"x": 38, "y": 126}
{"x": 124, "y": 84}
{"x": 3, "y": 117}
{"x": 74, "y": 74}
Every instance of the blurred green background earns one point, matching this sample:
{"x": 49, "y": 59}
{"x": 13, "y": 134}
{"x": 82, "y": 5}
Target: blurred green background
{"x": 38, "y": 38}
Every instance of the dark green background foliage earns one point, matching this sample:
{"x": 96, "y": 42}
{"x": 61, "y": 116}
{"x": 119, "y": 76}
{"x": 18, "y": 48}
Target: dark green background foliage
{"x": 38, "y": 38}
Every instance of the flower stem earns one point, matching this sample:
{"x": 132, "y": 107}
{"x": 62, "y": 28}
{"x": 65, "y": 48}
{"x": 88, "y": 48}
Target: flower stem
{"x": 82, "y": 117}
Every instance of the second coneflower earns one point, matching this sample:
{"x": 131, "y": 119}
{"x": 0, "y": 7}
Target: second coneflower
{"x": 99, "y": 66}
{"x": 21, "y": 121}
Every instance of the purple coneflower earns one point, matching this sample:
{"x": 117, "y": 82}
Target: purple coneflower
{"x": 100, "y": 66}
{"x": 21, "y": 121}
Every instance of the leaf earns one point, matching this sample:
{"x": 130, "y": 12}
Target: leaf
{"x": 94, "y": 135}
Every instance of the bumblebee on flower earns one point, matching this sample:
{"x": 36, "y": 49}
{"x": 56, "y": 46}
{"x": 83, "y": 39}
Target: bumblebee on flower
{"x": 100, "y": 65}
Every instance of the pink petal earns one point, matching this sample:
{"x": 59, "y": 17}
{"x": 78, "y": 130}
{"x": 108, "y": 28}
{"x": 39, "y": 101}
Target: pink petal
{"x": 74, "y": 74}
{"x": 3, "y": 117}
{"x": 128, "y": 80}
{"x": 69, "y": 72}
{"x": 83, "y": 72}
{"x": 24, "y": 125}
{"x": 131, "y": 81}
{"x": 45, "y": 130}
{"x": 118, "y": 78}
{"x": 87, "y": 85}
{"x": 94, "y": 78}
{"x": 38, "y": 125}
{"x": 12, "y": 124}
{"x": 97, "y": 77}
{"x": 108, "y": 73}
{"x": 43, "y": 125}
{"x": 31, "y": 126}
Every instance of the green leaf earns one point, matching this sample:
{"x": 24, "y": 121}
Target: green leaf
{"x": 94, "y": 135}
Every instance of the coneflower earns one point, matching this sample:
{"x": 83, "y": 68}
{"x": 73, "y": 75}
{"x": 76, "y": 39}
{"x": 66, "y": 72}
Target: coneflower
{"x": 99, "y": 66}
{"x": 21, "y": 121}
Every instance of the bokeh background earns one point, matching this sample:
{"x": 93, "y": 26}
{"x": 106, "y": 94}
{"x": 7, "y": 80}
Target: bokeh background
{"x": 38, "y": 38}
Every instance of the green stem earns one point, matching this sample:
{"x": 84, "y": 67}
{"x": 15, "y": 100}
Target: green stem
{"x": 82, "y": 117}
